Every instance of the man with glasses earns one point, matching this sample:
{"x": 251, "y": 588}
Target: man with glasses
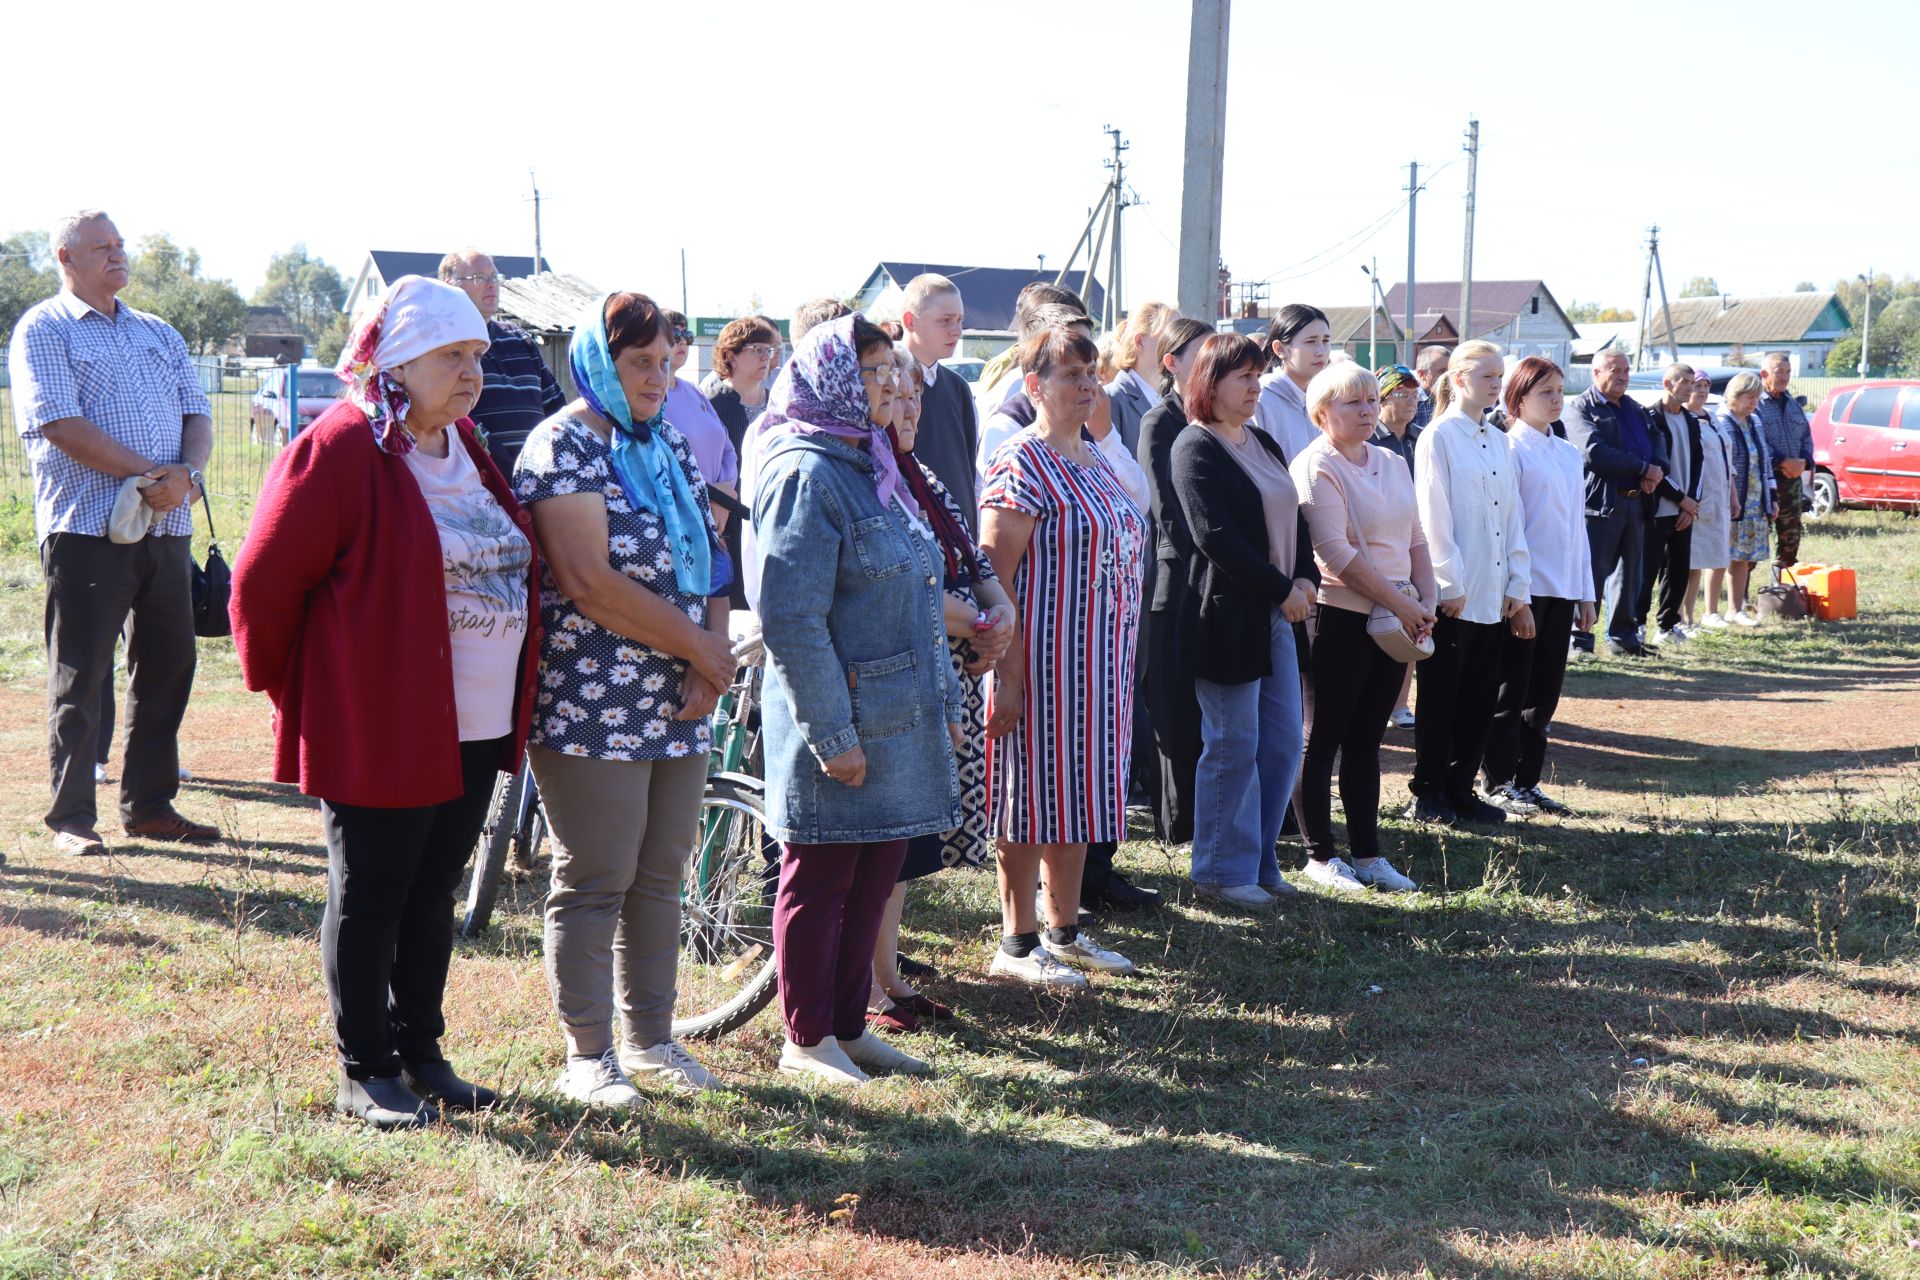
{"x": 518, "y": 390}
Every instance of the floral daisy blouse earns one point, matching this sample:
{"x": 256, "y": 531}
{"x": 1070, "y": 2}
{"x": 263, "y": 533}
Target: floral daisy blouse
{"x": 602, "y": 695}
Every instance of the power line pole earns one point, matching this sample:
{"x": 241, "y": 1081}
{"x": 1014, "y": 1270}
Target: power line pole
{"x": 1466, "y": 267}
{"x": 1413, "y": 193}
{"x": 1866, "y": 328}
{"x": 537, "y": 258}
{"x": 1117, "y": 194}
{"x": 1646, "y": 300}
{"x": 1202, "y": 170}
{"x": 1660, "y": 274}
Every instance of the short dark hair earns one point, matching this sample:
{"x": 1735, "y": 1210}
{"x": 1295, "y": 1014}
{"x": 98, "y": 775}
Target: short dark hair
{"x": 1288, "y": 321}
{"x": 1180, "y": 332}
{"x": 1050, "y": 347}
{"x": 674, "y": 318}
{"x": 1220, "y": 355}
{"x": 1526, "y": 379}
{"x": 743, "y": 332}
{"x": 633, "y": 320}
{"x": 868, "y": 337}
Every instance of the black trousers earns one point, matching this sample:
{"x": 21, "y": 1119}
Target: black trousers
{"x": 1354, "y": 686}
{"x": 387, "y": 936}
{"x": 1457, "y": 688}
{"x": 1531, "y": 677}
{"x": 93, "y": 586}
{"x": 1173, "y": 713}
{"x": 1668, "y": 555}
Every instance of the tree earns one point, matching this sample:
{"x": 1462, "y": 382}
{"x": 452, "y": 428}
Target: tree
{"x": 27, "y": 276}
{"x": 1700, "y": 287}
{"x": 165, "y": 279}
{"x": 1594, "y": 313}
{"x": 1806, "y": 286}
{"x": 1844, "y": 360}
{"x": 307, "y": 289}
{"x": 333, "y": 340}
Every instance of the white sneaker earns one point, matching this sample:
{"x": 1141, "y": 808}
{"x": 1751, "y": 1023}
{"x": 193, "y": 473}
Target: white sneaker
{"x": 826, "y": 1062}
{"x": 1677, "y": 635}
{"x": 1036, "y": 967}
{"x": 1248, "y": 897}
{"x": 1379, "y": 873}
{"x": 1746, "y": 618}
{"x": 1084, "y": 953}
{"x": 597, "y": 1082}
{"x": 186, "y": 774}
{"x": 668, "y": 1063}
{"x": 1402, "y": 718}
{"x": 870, "y": 1053}
{"x": 99, "y": 773}
{"x": 1334, "y": 873}
{"x": 1714, "y": 622}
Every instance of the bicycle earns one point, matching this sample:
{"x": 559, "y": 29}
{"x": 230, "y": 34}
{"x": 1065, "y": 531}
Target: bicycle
{"x": 516, "y": 825}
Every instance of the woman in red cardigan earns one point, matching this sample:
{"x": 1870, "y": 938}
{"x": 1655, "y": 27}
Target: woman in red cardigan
{"x": 384, "y": 600}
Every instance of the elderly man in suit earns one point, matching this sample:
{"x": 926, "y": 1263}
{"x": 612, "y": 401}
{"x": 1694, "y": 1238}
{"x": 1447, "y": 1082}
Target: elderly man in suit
{"x": 1625, "y": 465}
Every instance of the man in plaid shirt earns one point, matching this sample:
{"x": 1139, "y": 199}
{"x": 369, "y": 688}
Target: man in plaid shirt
{"x": 101, "y": 393}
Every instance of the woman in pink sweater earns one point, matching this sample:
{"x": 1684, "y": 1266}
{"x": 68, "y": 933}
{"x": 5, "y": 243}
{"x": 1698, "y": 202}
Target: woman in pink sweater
{"x": 1359, "y": 504}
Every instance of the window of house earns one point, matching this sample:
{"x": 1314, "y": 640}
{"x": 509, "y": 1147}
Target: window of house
{"x": 1534, "y": 305}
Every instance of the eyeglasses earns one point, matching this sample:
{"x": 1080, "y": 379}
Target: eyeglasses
{"x": 480, "y": 280}
{"x": 884, "y": 375}
{"x": 1401, "y": 393}
{"x": 682, "y": 335}
{"x": 760, "y": 349}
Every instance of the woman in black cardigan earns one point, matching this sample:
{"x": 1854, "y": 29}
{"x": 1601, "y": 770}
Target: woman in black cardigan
{"x": 1250, "y": 577}
{"x": 1171, "y": 708}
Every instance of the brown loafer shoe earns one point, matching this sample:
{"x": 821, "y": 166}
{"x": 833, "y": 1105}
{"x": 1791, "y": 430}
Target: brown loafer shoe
{"x": 78, "y": 842}
{"x": 170, "y": 826}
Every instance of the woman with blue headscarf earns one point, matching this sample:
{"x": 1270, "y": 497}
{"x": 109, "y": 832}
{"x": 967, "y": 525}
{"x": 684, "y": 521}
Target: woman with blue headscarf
{"x": 862, "y": 714}
{"x": 635, "y": 654}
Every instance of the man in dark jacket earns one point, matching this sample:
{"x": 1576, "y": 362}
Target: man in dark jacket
{"x": 1624, "y": 466}
{"x": 1669, "y": 547}
{"x": 517, "y": 390}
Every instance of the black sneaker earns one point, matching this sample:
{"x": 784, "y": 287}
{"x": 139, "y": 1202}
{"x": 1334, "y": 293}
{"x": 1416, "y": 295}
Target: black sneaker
{"x": 911, "y": 968}
{"x": 1474, "y": 810}
{"x": 1628, "y": 649}
{"x": 438, "y": 1082}
{"x": 1121, "y": 894}
{"x": 1513, "y": 800}
{"x": 384, "y": 1102}
{"x": 1546, "y": 803}
{"x": 1431, "y": 809}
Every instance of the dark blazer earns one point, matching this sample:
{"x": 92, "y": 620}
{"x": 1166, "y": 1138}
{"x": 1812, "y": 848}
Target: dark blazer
{"x": 1657, "y": 423}
{"x": 1173, "y": 544}
{"x": 1593, "y": 428}
{"x": 1233, "y": 586}
{"x": 1130, "y": 409}
{"x": 733, "y": 415}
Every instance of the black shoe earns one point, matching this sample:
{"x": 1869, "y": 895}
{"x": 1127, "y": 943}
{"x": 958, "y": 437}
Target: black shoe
{"x": 1473, "y": 809}
{"x": 1431, "y": 809}
{"x": 1121, "y": 894}
{"x": 384, "y": 1102}
{"x": 436, "y": 1080}
{"x": 1627, "y": 649}
{"x": 911, "y": 968}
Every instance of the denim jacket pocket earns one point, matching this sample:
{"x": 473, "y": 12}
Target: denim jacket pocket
{"x": 882, "y": 550}
{"x": 885, "y": 694}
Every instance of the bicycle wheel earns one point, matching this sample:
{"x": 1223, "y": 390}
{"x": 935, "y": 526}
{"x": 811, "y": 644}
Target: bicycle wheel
{"x": 727, "y": 972}
{"x": 490, "y": 857}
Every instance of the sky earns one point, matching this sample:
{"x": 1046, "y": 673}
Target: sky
{"x": 787, "y": 148}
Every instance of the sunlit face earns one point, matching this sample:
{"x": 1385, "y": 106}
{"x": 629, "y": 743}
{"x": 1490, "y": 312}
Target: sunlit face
{"x": 97, "y": 261}
{"x": 1697, "y": 395}
{"x": 936, "y": 326}
{"x": 480, "y": 280}
{"x": 1148, "y": 347}
{"x": 1479, "y": 385}
{"x": 645, "y": 372}
{"x": 906, "y": 414}
{"x": 752, "y": 362}
{"x": 443, "y": 385}
{"x": 682, "y": 348}
{"x": 1542, "y": 406}
{"x": 1307, "y": 354}
{"x": 1610, "y": 374}
{"x": 1349, "y": 419}
{"x": 1235, "y": 395}
{"x": 1743, "y": 405}
{"x": 1775, "y": 375}
{"x": 1064, "y": 393}
{"x": 1181, "y": 363}
{"x": 881, "y": 377}
{"x": 1399, "y": 405}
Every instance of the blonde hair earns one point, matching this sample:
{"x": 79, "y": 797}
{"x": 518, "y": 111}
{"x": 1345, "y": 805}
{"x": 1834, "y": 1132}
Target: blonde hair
{"x": 1335, "y": 382}
{"x": 1148, "y": 317}
{"x": 1742, "y": 384}
{"x": 1464, "y": 357}
{"x": 924, "y": 288}
{"x": 1111, "y": 344}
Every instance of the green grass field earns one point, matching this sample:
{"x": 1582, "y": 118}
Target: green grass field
{"x": 1674, "y": 1037}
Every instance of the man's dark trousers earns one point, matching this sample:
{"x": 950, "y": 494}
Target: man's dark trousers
{"x": 1669, "y": 557}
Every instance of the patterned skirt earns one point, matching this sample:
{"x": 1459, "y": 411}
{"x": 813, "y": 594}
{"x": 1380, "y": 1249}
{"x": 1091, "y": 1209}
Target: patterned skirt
{"x": 965, "y": 845}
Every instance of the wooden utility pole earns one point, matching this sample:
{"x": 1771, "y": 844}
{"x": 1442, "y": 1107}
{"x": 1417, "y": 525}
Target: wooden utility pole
{"x": 1202, "y": 171}
{"x": 538, "y": 259}
{"x": 1413, "y": 194}
{"x": 1466, "y": 266}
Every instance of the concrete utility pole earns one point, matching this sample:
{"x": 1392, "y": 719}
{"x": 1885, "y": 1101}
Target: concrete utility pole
{"x": 537, "y": 259}
{"x": 1466, "y": 267}
{"x": 1413, "y": 194}
{"x": 1202, "y": 172}
{"x": 1866, "y": 328}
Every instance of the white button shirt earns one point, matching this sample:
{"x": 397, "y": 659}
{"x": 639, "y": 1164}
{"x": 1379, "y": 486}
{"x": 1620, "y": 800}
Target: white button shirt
{"x": 1553, "y": 497}
{"x": 1470, "y": 509}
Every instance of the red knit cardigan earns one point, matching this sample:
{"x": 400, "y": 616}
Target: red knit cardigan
{"x": 339, "y": 613}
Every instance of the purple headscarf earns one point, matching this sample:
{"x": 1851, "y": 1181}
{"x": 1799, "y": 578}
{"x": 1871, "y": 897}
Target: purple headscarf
{"x": 820, "y": 392}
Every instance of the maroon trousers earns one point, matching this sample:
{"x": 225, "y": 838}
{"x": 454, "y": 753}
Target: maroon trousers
{"x": 826, "y": 919}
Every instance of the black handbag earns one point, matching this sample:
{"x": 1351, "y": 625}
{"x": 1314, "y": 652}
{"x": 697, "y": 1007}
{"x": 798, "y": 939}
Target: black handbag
{"x": 212, "y": 584}
{"x": 1785, "y": 599}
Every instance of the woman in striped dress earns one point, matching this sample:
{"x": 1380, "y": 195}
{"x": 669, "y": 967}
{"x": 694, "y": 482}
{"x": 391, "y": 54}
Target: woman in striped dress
{"x": 1061, "y": 519}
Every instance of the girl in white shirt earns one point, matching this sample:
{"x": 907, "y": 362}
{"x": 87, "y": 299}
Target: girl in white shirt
{"x": 1552, "y": 482}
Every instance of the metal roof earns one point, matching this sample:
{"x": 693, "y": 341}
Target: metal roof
{"x": 393, "y": 263}
{"x": 989, "y": 293}
{"x": 1780, "y": 317}
{"x": 1495, "y": 302}
{"x": 545, "y": 304}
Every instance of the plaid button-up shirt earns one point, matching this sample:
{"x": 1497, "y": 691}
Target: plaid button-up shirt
{"x": 128, "y": 374}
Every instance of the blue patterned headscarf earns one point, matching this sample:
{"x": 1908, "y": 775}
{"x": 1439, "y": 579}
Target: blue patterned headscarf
{"x": 820, "y": 392}
{"x": 649, "y": 474}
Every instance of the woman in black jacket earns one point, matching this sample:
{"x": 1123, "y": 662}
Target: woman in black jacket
{"x": 1171, "y": 708}
{"x": 1250, "y": 577}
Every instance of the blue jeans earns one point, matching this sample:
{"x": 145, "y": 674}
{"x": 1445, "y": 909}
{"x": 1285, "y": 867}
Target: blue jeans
{"x": 1253, "y": 739}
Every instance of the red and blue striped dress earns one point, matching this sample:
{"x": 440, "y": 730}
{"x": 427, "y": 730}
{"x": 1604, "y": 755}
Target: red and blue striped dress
{"x": 1060, "y": 776}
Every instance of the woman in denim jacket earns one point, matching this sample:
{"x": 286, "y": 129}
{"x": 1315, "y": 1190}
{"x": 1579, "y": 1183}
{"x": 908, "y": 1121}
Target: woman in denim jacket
{"x": 862, "y": 708}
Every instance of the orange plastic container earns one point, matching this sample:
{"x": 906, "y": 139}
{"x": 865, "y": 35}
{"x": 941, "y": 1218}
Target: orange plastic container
{"x": 1832, "y": 589}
